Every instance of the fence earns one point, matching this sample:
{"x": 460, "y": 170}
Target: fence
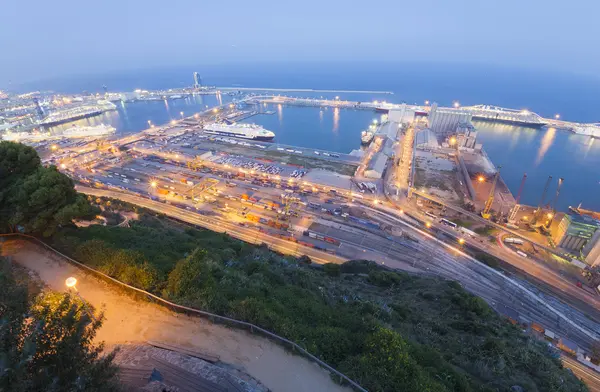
{"x": 211, "y": 316}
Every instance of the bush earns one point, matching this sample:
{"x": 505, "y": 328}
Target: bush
{"x": 332, "y": 269}
{"x": 487, "y": 259}
{"x": 386, "y": 278}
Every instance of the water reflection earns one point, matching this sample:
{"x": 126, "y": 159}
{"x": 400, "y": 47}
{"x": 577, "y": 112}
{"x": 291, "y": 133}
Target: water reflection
{"x": 219, "y": 99}
{"x": 588, "y": 147}
{"x": 514, "y": 140}
{"x": 336, "y": 119}
{"x": 167, "y": 107}
{"x": 321, "y": 116}
{"x": 280, "y": 113}
{"x": 545, "y": 144}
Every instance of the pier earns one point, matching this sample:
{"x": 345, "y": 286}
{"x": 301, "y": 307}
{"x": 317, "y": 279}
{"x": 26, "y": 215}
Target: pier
{"x": 303, "y": 90}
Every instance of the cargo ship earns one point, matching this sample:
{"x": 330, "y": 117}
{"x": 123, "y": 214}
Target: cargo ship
{"x": 243, "y": 131}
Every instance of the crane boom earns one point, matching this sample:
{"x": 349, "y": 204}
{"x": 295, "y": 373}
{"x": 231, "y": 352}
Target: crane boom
{"x": 513, "y": 213}
{"x": 490, "y": 200}
{"x": 537, "y": 211}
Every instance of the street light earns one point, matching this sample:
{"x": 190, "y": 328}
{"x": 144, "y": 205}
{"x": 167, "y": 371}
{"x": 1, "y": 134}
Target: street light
{"x": 452, "y": 141}
{"x": 428, "y": 224}
{"x": 481, "y": 178}
{"x": 181, "y": 113}
{"x": 557, "y": 116}
{"x": 456, "y": 104}
{"x": 63, "y": 166}
{"x": 426, "y": 102}
{"x": 461, "y": 241}
{"x": 70, "y": 283}
{"x": 153, "y": 184}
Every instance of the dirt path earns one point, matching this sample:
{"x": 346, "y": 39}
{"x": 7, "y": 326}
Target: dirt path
{"x": 131, "y": 321}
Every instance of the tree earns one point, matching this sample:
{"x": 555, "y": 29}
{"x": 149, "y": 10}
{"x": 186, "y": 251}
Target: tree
{"x": 46, "y": 345}
{"x": 16, "y": 161}
{"x": 595, "y": 352}
{"x": 33, "y": 197}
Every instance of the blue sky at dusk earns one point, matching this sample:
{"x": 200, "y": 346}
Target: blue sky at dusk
{"x": 43, "y": 39}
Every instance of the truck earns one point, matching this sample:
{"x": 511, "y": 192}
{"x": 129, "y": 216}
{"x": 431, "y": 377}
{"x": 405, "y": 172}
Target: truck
{"x": 162, "y": 191}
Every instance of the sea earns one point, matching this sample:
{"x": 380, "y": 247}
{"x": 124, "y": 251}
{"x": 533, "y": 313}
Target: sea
{"x": 538, "y": 152}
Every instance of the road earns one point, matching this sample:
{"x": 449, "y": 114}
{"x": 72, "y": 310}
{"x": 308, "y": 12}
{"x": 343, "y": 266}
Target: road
{"x": 589, "y": 376}
{"x": 131, "y": 321}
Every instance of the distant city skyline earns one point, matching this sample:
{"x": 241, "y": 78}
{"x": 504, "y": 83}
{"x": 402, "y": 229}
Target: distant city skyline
{"x": 56, "y": 39}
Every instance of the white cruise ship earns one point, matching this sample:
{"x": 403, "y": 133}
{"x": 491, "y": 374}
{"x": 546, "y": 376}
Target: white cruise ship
{"x": 592, "y": 130}
{"x": 244, "y": 131}
{"x": 78, "y": 131}
{"x": 70, "y": 133}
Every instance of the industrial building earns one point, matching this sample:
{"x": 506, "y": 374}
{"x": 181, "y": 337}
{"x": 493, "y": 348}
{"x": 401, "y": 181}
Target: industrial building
{"x": 404, "y": 115}
{"x": 466, "y": 135}
{"x": 575, "y": 231}
{"x": 376, "y": 166}
{"x": 444, "y": 121}
{"x": 591, "y": 250}
{"x": 426, "y": 140}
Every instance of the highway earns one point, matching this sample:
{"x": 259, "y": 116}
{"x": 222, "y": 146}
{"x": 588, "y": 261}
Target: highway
{"x": 589, "y": 376}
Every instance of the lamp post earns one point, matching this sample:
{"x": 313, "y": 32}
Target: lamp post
{"x": 71, "y": 283}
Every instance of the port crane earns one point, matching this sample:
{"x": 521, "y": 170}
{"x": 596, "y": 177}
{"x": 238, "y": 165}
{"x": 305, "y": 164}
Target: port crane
{"x": 553, "y": 212}
{"x": 513, "y": 213}
{"x": 538, "y": 210}
{"x": 490, "y": 200}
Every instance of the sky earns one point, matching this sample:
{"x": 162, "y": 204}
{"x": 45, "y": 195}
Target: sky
{"x": 44, "y": 39}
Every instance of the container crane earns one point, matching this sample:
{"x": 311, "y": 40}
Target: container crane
{"x": 490, "y": 200}
{"x": 513, "y": 213}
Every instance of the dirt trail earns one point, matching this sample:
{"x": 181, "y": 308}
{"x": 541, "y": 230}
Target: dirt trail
{"x": 131, "y": 321}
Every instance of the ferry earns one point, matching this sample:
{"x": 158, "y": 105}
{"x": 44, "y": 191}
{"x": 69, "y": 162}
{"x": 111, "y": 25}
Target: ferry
{"x": 244, "y": 131}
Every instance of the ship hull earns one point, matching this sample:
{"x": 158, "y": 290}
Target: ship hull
{"x": 238, "y": 136}
{"x": 511, "y": 122}
{"x": 74, "y": 118}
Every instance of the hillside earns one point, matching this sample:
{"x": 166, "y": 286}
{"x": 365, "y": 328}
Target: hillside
{"x": 387, "y": 330}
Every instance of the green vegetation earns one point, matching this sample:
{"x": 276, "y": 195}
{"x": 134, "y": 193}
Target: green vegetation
{"x": 33, "y": 198}
{"x": 463, "y": 223}
{"x": 387, "y": 330}
{"x": 484, "y": 230}
{"x": 45, "y": 341}
{"x": 487, "y": 259}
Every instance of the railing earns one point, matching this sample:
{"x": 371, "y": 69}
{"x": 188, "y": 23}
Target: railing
{"x": 213, "y": 317}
